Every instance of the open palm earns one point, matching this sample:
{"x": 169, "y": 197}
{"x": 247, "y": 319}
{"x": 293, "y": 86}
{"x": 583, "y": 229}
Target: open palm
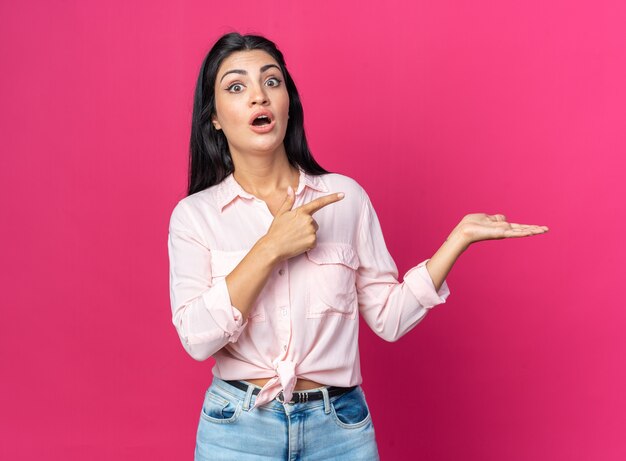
{"x": 481, "y": 226}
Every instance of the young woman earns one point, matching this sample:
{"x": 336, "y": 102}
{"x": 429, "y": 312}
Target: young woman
{"x": 273, "y": 260}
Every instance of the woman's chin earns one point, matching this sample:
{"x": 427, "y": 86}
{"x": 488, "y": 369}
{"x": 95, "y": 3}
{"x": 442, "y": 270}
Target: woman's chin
{"x": 266, "y": 144}
{"x": 262, "y": 148}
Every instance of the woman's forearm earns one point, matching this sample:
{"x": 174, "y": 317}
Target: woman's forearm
{"x": 246, "y": 281}
{"x": 442, "y": 261}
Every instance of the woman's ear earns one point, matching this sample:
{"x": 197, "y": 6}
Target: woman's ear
{"x": 215, "y": 123}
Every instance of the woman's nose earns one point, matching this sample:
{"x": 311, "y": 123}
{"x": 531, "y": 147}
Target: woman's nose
{"x": 258, "y": 96}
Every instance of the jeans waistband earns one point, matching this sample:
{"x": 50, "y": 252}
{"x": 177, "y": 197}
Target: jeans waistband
{"x": 246, "y": 391}
{"x": 299, "y": 396}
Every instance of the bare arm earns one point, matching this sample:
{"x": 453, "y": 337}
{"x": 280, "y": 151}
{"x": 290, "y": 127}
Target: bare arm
{"x": 246, "y": 281}
{"x": 442, "y": 261}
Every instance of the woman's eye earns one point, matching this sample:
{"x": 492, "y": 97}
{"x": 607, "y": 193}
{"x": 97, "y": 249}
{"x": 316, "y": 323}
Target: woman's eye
{"x": 233, "y": 86}
{"x": 275, "y": 79}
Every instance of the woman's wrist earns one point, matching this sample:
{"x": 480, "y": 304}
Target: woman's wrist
{"x": 458, "y": 240}
{"x": 268, "y": 250}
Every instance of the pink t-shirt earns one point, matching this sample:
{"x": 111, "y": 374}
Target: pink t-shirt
{"x": 305, "y": 322}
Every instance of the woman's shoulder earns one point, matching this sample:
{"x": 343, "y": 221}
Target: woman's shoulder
{"x": 199, "y": 203}
{"x": 338, "y": 182}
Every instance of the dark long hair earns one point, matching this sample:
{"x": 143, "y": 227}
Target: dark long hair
{"x": 209, "y": 157}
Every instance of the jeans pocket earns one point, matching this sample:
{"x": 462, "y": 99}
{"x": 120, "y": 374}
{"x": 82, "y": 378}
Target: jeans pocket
{"x": 217, "y": 408}
{"x": 350, "y": 410}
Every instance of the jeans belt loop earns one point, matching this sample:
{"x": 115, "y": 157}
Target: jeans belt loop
{"x": 248, "y": 398}
{"x": 326, "y": 400}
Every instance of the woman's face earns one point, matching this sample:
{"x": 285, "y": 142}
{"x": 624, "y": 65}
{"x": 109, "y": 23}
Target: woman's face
{"x": 249, "y": 82}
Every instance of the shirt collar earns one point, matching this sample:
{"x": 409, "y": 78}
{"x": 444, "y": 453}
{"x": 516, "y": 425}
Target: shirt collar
{"x": 229, "y": 188}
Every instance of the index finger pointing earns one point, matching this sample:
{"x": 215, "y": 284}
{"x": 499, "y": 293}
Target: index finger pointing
{"x": 318, "y": 203}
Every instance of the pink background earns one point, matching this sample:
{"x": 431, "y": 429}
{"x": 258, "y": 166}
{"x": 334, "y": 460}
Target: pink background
{"x": 438, "y": 108}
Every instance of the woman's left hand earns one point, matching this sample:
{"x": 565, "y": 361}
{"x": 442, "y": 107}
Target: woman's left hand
{"x": 480, "y": 226}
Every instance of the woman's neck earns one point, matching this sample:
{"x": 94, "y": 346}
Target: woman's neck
{"x": 263, "y": 177}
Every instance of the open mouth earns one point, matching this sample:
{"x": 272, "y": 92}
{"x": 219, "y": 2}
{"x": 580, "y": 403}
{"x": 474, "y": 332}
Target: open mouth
{"x": 261, "y": 120}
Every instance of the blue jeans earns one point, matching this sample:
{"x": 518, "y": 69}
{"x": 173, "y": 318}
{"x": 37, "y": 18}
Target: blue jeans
{"x": 333, "y": 428}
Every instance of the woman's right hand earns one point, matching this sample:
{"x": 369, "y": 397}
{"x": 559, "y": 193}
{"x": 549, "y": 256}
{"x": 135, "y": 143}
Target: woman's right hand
{"x": 293, "y": 232}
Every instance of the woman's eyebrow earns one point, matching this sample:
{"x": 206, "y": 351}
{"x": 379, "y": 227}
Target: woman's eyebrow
{"x": 244, "y": 72}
